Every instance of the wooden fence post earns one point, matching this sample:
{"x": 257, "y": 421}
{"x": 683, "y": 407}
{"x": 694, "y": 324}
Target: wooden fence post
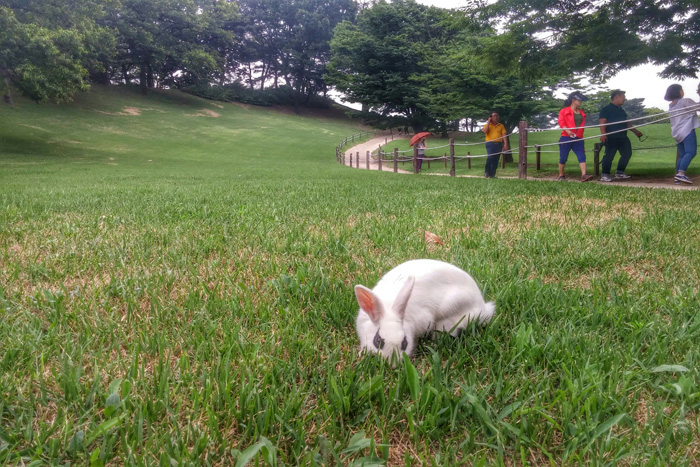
{"x": 396, "y": 160}
{"x": 379, "y": 158}
{"x": 357, "y": 160}
{"x": 444, "y": 158}
{"x": 350, "y": 159}
{"x": 469, "y": 159}
{"x": 452, "y": 157}
{"x": 367, "y": 160}
{"x": 596, "y": 158}
{"x": 538, "y": 150}
{"x": 522, "y": 149}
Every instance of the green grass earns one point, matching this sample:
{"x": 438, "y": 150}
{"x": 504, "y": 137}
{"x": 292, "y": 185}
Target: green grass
{"x": 177, "y": 290}
{"x": 653, "y": 158}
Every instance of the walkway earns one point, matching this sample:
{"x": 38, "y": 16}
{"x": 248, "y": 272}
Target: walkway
{"x": 372, "y": 145}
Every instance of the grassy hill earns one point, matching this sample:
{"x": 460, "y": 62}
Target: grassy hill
{"x": 176, "y": 288}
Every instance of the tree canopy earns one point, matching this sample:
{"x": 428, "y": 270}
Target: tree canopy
{"x": 598, "y": 37}
{"x": 287, "y": 41}
{"x": 410, "y": 64}
{"x": 48, "y": 48}
{"x": 380, "y": 61}
{"x": 421, "y": 67}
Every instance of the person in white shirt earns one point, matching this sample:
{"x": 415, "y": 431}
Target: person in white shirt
{"x": 684, "y": 121}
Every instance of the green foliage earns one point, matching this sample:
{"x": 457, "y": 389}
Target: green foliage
{"x": 576, "y": 36}
{"x": 288, "y": 41}
{"x": 47, "y": 54}
{"x": 237, "y": 92}
{"x": 424, "y": 65}
{"x": 382, "y": 60}
{"x": 178, "y": 43}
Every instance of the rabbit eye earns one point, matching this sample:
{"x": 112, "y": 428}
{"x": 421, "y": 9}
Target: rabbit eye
{"x": 378, "y": 341}
{"x": 404, "y": 344}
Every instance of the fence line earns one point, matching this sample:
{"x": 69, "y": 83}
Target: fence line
{"x": 523, "y": 146}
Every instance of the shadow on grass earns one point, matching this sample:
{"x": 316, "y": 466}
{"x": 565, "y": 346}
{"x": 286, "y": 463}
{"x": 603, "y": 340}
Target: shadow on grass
{"x": 23, "y": 147}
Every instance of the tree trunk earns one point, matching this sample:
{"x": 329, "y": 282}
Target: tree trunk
{"x": 8, "y": 95}
{"x": 149, "y": 77}
{"x": 143, "y": 79}
{"x": 508, "y": 156}
{"x": 251, "y": 83}
{"x": 101, "y": 78}
{"x": 263, "y": 76}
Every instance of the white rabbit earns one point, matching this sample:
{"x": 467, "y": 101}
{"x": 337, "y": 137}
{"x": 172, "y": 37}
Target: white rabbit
{"x": 413, "y": 299}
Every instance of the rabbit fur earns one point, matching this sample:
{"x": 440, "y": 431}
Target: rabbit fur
{"x": 413, "y": 299}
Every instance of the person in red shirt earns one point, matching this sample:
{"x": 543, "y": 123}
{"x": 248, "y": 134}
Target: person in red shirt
{"x": 572, "y": 119}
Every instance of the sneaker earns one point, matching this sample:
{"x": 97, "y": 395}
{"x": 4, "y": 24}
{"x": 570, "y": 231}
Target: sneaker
{"x": 561, "y": 178}
{"x": 676, "y": 182}
{"x": 622, "y": 176}
{"x": 605, "y": 178}
{"x": 586, "y": 177}
{"x": 683, "y": 179}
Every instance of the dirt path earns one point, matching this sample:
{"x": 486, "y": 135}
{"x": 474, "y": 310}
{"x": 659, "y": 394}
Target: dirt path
{"x": 372, "y": 144}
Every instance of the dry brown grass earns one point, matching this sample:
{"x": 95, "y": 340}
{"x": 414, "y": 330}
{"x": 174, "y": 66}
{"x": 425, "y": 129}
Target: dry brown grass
{"x": 205, "y": 113}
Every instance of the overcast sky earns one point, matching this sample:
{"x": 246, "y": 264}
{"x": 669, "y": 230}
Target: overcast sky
{"x": 642, "y": 81}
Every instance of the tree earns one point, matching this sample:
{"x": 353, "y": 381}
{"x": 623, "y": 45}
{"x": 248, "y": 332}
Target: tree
{"x": 424, "y": 65}
{"x": 307, "y": 50}
{"x": 380, "y": 60}
{"x": 48, "y": 49}
{"x": 460, "y": 84}
{"x": 173, "y": 42}
{"x": 287, "y": 41}
{"x": 599, "y": 37}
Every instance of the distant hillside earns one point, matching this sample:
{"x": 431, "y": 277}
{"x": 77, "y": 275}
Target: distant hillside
{"x": 118, "y": 127}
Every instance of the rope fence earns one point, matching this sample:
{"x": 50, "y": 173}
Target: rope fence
{"x": 522, "y": 134}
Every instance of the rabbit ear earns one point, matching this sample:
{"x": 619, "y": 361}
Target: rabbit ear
{"x": 369, "y": 303}
{"x": 402, "y": 298}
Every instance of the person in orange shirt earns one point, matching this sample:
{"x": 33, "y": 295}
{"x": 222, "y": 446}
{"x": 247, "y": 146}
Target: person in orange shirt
{"x": 572, "y": 119}
{"x": 496, "y": 143}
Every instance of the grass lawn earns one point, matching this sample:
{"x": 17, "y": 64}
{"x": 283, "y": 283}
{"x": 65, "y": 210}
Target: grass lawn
{"x": 176, "y": 289}
{"x": 655, "y": 157}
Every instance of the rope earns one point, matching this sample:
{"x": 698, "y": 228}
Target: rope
{"x": 676, "y": 113}
{"x": 482, "y": 142}
{"x": 602, "y": 134}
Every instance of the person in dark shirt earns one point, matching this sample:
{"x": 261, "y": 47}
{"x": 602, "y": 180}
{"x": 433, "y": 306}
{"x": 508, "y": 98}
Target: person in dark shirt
{"x": 610, "y": 115}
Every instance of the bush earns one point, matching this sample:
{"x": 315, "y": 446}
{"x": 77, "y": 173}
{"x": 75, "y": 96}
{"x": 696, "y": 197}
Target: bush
{"x": 237, "y": 92}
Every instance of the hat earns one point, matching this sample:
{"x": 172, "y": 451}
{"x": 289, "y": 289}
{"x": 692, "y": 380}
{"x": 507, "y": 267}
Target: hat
{"x": 578, "y": 96}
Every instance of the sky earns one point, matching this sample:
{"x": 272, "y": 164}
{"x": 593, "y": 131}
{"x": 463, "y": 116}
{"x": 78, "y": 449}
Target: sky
{"x": 638, "y": 82}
